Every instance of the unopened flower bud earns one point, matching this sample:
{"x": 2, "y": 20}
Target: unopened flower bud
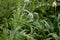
{"x": 54, "y": 4}
{"x": 30, "y": 15}
{"x": 26, "y": 1}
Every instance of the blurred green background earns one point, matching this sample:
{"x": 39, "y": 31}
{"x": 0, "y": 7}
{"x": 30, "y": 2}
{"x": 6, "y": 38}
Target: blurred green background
{"x": 29, "y": 20}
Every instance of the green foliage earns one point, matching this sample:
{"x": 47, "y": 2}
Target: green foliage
{"x": 16, "y": 25}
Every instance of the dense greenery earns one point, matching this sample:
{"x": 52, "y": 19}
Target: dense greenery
{"x": 16, "y": 24}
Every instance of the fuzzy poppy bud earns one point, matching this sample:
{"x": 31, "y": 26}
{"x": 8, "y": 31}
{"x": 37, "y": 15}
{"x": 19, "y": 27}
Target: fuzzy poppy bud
{"x": 54, "y": 4}
{"x": 30, "y": 16}
{"x": 26, "y": 1}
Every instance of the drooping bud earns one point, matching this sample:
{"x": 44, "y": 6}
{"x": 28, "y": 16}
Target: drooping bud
{"x": 54, "y": 4}
{"x": 30, "y": 16}
{"x": 26, "y": 1}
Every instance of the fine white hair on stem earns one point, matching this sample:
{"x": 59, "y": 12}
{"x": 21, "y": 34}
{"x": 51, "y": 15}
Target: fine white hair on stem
{"x": 26, "y": 11}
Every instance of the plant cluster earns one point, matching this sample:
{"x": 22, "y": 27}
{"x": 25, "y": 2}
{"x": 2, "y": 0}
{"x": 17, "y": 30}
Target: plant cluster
{"x": 29, "y": 20}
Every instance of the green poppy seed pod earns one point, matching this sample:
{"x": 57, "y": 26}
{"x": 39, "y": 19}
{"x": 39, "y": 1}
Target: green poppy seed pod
{"x": 30, "y": 16}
